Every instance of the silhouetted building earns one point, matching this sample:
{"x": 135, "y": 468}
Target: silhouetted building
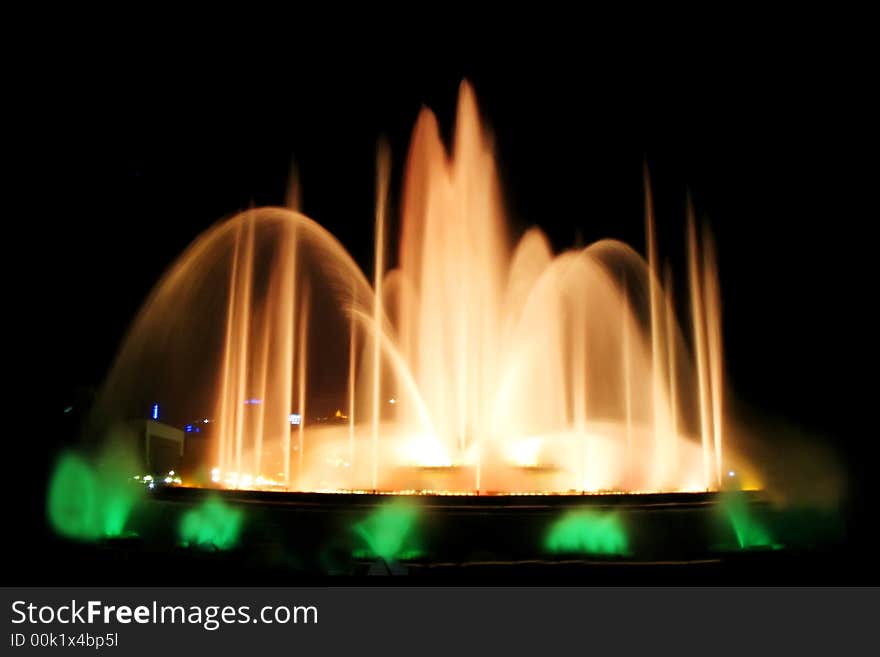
{"x": 162, "y": 445}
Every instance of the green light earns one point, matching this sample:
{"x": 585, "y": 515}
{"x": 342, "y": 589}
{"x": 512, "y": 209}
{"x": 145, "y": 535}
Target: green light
{"x": 89, "y": 503}
{"x": 587, "y": 532}
{"x": 750, "y": 533}
{"x": 118, "y": 495}
{"x": 73, "y": 499}
{"x": 212, "y": 525}
{"x": 389, "y": 533}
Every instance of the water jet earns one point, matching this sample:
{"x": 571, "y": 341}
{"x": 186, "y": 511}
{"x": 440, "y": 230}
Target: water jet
{"x": 512, "y": 370}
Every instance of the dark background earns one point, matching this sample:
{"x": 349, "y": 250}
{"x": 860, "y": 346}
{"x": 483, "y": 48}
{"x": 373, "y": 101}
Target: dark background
{"x": 136, "y": 149}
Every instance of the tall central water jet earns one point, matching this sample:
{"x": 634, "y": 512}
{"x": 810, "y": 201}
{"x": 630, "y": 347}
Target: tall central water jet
{"x": 473, "y": 363}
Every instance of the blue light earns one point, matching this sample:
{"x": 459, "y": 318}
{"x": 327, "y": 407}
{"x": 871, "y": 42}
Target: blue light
{"x": 253, "y": 401}
{"x": 155, "y": 411}
{"x": 198, "y": 430}
{"x": 295, "y": 418}
{"x": 188, "y": 428}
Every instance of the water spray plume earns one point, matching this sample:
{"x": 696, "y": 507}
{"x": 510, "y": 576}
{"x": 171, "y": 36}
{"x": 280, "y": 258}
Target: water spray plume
{"x": 659, "y": 392}
{"x": 750, "y": 532}
{"x": 90, "y": 502}
{"x": 352, "y": 378}
{"x": 587, "y": 532}
{"x": 698, "y": 323}
{"x": 713, "y": 338}
{"x": 390, "y": 532}
{"x": 73, "y": 499}
{"x": 302, "y": 357}
{"x": 512, "y": 369}
{"x": 382, "y": 174}
{"x": 213, "y": 525}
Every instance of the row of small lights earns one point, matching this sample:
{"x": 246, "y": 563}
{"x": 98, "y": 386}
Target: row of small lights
{"x": 149, "y": 480}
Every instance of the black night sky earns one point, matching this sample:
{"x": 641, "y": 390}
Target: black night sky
{"x": 139, "y": 152}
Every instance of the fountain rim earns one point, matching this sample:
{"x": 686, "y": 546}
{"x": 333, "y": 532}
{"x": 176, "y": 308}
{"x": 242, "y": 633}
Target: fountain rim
{"x": 483, "y": 500}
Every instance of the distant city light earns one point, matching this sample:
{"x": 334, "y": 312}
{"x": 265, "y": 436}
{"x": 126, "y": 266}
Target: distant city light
{"x": 253, "y": 401}
{"x": 295, "y": 418}
{"x": 731, "y": 473}
{"x": 392, "y": 401}
{"x": 68, "y": 409}
{"x": 155, "y": 413}
{"x": 188, "y": 428}
{"x": 205, "y": 421}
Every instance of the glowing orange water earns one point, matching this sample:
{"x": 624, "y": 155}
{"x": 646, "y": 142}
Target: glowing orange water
{"x": 475, "y": 364}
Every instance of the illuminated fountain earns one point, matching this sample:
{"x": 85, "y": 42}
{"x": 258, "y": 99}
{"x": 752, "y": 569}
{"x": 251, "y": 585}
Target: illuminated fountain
{"x": 473, "y": 364}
